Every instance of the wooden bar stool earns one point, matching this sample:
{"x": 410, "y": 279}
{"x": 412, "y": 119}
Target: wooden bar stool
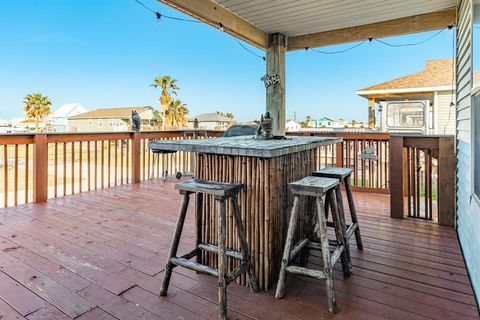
{"x": 221, "y": 192}
{"x": 343, "y": 175}
{"x": 318, "y": 188}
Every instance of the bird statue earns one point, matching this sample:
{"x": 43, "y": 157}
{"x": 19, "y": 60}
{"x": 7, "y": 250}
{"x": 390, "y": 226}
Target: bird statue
{"x": 135, "y": 121}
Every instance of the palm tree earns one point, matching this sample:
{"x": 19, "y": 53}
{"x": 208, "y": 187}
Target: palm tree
{"x": 36, "y": 106}
{"x": 176, "y": 114}
{"x": 228, "y": 114}
{"x": 169, "y": 88}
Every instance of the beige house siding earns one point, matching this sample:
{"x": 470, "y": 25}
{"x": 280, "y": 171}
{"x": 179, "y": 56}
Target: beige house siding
{"x": 444, "y": 114}
{"x": 79, "y": 124}
{"x": 98, "y": 125}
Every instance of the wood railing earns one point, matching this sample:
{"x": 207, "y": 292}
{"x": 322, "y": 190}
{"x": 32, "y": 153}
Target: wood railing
{"x": 35, "y": 167}
{"x": 366, "y": 153}
{"x": 418, "y": 172}
{"x": 423, "y": 177}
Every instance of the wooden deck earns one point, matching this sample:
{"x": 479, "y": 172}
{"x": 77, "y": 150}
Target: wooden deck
{"x": 100, "y": 255}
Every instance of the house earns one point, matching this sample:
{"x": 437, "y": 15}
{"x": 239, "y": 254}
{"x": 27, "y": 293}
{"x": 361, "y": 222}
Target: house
{"x": 292, "y": 125}
{"x": 468, "y": 136}
{"x": 417, "y": 102}
{"x": 59, "y": 119}
{"x": 327, "y": 122}
{"x": 212, "y": 121}
{"x": 113, "y": 119}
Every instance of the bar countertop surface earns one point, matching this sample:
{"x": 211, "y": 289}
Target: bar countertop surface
{"x": 244, "y": 145}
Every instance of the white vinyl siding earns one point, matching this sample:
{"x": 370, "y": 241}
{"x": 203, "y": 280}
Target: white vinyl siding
{"x": 468, "y": 210}
{"x": 445, "y": 114}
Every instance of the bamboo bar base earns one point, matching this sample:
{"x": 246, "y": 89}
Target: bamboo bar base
{"x": 265, "y": 207}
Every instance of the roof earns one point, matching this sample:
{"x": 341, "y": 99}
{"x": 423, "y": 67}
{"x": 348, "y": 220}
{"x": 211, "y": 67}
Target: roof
{"x": 68, "y": 110}
{"x": 212, "y": 117}
{"x": 437, "y": 75}
{"x": 107, "y": 113}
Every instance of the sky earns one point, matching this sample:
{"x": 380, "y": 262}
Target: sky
{"x": 105, "y": 54}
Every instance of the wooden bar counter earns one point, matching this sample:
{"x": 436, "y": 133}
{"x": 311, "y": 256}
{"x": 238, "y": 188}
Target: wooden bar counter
{"x": 265, "y": 168}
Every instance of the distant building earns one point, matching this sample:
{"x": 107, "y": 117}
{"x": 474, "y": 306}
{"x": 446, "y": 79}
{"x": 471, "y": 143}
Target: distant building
{"x": 292, "y": 125}
{"x": 212, "y": 121}
{"x": 327, "y": 122}
{"x": 114, "y": 119}
{"x": 59, "y": 119}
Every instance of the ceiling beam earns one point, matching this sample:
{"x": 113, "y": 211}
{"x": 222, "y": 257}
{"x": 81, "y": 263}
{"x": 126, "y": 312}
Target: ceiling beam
{"x": 412, "y": 24}
{"x": 217, "y": 16}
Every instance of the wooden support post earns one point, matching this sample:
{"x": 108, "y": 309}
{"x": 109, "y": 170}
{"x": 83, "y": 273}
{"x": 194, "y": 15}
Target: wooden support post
{"x": 396, "y": 177}
{"x": 446, "y": 182}
{"x": 371, "y": 113}
{"x": 276, "y": 92}
{"x": 136, "y": 152}
{"x": 40, "y": 169}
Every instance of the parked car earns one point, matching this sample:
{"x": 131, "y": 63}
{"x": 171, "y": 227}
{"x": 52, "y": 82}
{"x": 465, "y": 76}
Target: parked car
{"x": 240, "y": 130}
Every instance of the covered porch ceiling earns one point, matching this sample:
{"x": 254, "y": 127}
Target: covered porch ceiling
{"x": 315, "y": 23}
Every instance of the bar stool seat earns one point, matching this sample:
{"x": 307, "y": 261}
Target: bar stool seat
{"x": 343, "y": 175}
{"x": 221, "y": 192}
{"x": 318, "y": 188}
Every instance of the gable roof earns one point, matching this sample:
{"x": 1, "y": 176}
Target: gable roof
{"x": 212, "y": 117}
{"x": 437, "y": 75}
{"x": 108, "y": 113}
{"x": 68, "y": 110}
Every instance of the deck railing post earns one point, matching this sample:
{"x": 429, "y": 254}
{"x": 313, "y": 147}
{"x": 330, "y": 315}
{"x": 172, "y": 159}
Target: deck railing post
{"x": 136, "y": 156}
{"x": 40, "y": 168}
{"x": 339, "y": 154}
{"x": 446, "y": 181}
{"x": 396, "y": 177}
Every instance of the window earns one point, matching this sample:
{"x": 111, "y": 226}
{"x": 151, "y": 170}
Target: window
{"x": 90, "y": 122}
{"x": 100, "y": 122}
{"x": 476, "y": 96}
{"x": 405, "y": 114}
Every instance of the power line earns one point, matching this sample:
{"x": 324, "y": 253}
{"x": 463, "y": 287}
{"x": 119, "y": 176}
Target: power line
{"x": 159, "y": 16}
{"x": 413, "y": 43}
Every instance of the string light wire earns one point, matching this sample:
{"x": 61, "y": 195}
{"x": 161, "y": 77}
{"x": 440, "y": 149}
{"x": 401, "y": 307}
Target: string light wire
{"x": 413, "y": 43}
{"x": 339, "y": 51}
{"x": 222, "y": 28}
{"x": 158, "y": 15}
{"x": 452, "y": 102}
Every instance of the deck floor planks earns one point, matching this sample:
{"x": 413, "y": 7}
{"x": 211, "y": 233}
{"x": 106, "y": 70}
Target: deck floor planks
{"x": 408, "y": 270}
{"x": 19, "y": 297}
{"x": 46, "y": 288}
{"x": 48, "y": 313}
{"x": 8, "y": 313}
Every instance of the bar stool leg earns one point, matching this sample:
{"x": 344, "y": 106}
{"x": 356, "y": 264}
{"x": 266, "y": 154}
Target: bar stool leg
{"x": 322, "y": 221}
{"x": 353, "y": 212}
{"x": 343, "y": 225}
{"x": 244, "y": 245}
{"x": 174, "y": 246}
{"x": 222, "y": 259}
{"x": 292, "y": 225}
{"x": 198, "y": 222}
{"x": 340, "y": 233}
